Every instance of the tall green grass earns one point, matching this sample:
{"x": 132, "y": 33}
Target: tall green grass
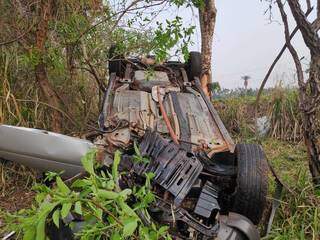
{"x": 298, "y": 216}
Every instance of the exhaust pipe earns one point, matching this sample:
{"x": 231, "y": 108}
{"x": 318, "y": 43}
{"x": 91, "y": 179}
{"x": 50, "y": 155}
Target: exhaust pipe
{"x": 43, "y": 150}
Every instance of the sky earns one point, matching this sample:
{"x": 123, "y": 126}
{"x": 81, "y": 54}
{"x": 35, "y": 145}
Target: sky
{"x": 246, "y": 43}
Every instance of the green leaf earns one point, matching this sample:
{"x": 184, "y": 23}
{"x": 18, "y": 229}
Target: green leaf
{"x": 116, "y": 162}
{"x": 163, "y": 230}
{"x": 88, "y": 160}
{"x": 52, "y": 175}
{"x": 56, "y": 217}
{"x": 104, "y": 194}
{"x": 116, "y": 236}
{"x": 62, "y": 186}
{"x": 81, "y": 183}
{"x": 130, "y": 225}
{"x": 136, "y": 149}
{"x": 40, "y": 197}
{"x": 126, "y": 208}
{"x": 98, "y": 212}
{"x": 30, "y": 233}
{"x": 125, "y": 193}
{"x": 45, "y": 209}
{"x": 78, "y": 208}
{"x": 65, "y": 209}
{"x": 41, "y": 235}
{"x": 110, "y": 185}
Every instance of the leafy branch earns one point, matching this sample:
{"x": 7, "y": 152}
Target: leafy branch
{"x": 105, "y": 210}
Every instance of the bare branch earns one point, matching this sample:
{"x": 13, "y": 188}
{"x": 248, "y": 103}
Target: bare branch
{"x": 308, "y": 4}
{"x": 92, "y": 70}
{"x": 318, "y": 9}
{"x": 291, "y": 49}
{"x": 310, "y": 37}
{"x": 17, "y": 38}
{"x": 316, "y": 26}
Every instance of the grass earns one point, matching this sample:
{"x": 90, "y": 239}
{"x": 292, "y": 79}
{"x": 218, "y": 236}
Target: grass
{"x": 15, "y": 192}
{"x": 298, "y": 216}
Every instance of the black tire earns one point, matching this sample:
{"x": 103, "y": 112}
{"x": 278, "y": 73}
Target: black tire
{"x": 194, "y": 65}
{"x": 252, "y": 185}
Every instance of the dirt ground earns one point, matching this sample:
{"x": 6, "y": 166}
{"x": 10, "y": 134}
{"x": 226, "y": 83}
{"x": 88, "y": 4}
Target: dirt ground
{"x": 16, "y": 183}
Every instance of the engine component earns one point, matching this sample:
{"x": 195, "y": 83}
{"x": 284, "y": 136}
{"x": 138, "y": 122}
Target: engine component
{"x": 175, "y": 169}
{"x": 207, "y": 201}
{"x": 179, "y": 214}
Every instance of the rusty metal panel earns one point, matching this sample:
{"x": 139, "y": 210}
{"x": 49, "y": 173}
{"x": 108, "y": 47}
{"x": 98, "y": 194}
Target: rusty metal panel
{"x": 219, "y": 126}
{"x": 202, "y": 127}
{"x": 137, "y": 107}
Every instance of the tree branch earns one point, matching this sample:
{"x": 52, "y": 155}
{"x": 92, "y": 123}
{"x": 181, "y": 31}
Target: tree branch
{"x": 291, "y": 49}
{"x": 318, "y": 9}
{"x": 310, "y": 37}
{"x": 316, "y": 26}
{"x": 122, "y": 13}
{"x": 17, "y": 38}
{"x": 92, "y": 70}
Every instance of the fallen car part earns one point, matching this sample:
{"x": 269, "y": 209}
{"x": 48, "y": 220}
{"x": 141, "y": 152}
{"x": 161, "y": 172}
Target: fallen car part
{"x": 228, "y": 227}
{"x": 175, "y": 169}
{"x": 172, "y": 215}
{"x": 43, "y": 150}
{"x": 208, "y": 201}
{"x": 168, "y": 167}
{"x": 241, "y": 223}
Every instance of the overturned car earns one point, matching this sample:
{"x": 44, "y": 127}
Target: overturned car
{"x": 208, "y": 187}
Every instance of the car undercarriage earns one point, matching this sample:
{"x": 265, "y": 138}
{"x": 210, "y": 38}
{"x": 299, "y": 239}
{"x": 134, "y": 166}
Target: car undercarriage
{"x": 207, "y": 186}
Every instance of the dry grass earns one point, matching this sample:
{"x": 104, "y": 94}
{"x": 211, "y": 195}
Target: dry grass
{"x": 280, "y": 105}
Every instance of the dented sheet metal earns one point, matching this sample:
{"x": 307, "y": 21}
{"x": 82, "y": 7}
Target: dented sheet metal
{"x": 137, "y": 107}
{"x": 196, "y": 121}
{"x": 43, "y": 150}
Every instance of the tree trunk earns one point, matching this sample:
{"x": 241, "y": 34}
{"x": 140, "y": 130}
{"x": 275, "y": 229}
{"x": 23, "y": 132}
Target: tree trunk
{"x": 40, "y": 68}
{"x": 207, "y": 17}
{"x": 309, "y": 116}
{"x": 309, "y": 90}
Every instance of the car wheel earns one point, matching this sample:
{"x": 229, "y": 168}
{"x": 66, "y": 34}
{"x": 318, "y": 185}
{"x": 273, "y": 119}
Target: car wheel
{"x": 194, "y": 65}
{"x": 252, "y": 186}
